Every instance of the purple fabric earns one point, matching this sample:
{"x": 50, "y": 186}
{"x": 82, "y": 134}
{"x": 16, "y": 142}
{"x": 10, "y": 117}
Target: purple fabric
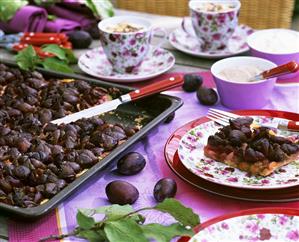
{"x": 61, "y": 25}
{"x": 27, "y": 19}
{"x": 82, "y": 19}
{"x": 76, "y": 6}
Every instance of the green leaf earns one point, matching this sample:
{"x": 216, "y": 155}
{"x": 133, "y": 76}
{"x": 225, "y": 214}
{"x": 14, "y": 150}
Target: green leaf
{"x": 125, "y": 230}
{"x": 55, "y": 64}
{"x": 84, "y": 221}
{"x": 62, "y": 53}
{"x": 9, "y": 8}
{"x": 27, "y": 58}
{"x": 93, "y": 236}
{"x": 114, "y": 212}
{"x": 51, "y": 17}
{"x": 56, "y": 50}
{"x": 165, "y": 233}
{"x": 45, "y": 3}
{"x": 70, "y": 56}
{"x": 182, "y": 214}
{"x": 103, "y": 8}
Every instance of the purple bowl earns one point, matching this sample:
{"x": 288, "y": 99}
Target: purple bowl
{"x": 243, "y": 95}
{"x": 277, "y": 58}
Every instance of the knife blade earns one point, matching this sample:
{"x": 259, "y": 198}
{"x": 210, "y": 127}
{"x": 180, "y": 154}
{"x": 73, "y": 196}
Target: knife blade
{"x": 148, "y": 90}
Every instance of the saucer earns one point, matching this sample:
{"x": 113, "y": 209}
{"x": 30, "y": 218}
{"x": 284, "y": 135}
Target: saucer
{"x": 189, "y": 44}
{"x": 94, "y": 62}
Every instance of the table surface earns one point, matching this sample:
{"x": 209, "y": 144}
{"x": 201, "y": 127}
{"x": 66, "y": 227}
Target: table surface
{"x": 184, "y": 63}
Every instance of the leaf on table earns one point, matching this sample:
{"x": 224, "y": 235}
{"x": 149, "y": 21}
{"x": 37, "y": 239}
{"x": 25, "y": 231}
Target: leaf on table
{"x": 103, "y": 8}
{"x": 88, "y": 211}
{"x": 93, "y": 236}
{"x": 55, "y": 64}
{"x": 165, "y": 233}
{"x": 44, "y": 3}
{"x": 114, "y": 212}
{"x": 71, "y": 58}
{"x": 60, "y": 52}
{"x": 51, "y": 17}
{"x": 55, "y": 49}
{"x": 182, "y": 214}
{"x": 84, "y": 221}
{"x": 124, "y": 230}
{"x": 27, "y": 58}
{"x": 9, "y": 8}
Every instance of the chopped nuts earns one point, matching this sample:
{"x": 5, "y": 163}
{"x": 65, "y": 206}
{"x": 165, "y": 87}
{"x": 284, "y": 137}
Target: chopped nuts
{"x": 124, "y": 28}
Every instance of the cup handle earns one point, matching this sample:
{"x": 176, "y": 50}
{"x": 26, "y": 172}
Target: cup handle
{"x": 187, "y": 30}
{"x": 163, "y": 40}
{"x": 183, "y": 25}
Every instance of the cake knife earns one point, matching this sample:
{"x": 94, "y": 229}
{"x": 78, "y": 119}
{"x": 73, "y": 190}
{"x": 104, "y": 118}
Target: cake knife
{"x": 148, "y": 90}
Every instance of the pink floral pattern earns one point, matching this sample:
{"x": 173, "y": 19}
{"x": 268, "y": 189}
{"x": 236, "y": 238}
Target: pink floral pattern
{"x": 125, "y": 51}
{"x": 192, "y": 156}
{"x": 250, "y": 228}
{"x": 94, "y": 62}
{"x": 214, "y": 29}
{"x": 188, "y": 43}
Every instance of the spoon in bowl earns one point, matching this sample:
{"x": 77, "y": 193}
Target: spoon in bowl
{"x": 284, "y": 69}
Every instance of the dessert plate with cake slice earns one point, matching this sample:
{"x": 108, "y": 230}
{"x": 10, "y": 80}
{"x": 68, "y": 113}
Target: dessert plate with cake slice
{"x": 241, "y": 156}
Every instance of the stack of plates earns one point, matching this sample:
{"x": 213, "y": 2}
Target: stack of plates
{"x": 184, "y": 154}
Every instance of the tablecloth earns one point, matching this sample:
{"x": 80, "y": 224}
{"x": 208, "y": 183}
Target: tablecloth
{"x": 92, "y": 194}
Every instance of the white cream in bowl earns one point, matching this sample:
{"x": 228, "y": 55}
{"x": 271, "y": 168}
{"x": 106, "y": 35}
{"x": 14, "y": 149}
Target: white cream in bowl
{"x": 275, "y": 41}
{"x": 243, "y": 73}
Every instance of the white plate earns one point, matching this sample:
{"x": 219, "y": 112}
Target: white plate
{"x": 273, "y": 225}
{"x": 192, "y": 156}
{"x": 189, "y": 44}
{"x": 94, "y": 62}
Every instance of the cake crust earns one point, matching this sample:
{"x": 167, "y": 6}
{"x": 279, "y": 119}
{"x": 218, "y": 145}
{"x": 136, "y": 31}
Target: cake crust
{"x": 258, "y": 151}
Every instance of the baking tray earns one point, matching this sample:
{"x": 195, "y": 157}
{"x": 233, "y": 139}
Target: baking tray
{"x": 152, "y": 110}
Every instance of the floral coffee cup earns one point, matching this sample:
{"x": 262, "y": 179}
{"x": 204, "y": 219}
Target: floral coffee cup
{"x": 126, "y": 50}
{"x": 214, "y": 28}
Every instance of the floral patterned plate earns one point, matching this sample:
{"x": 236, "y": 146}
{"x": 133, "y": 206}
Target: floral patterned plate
{"x": 255, "y": 195}
{"x": 191, "y": 154}
{"x": 262, "y": 224}
{"x": 189, "y": 44}
{"x": 94, "y": 62}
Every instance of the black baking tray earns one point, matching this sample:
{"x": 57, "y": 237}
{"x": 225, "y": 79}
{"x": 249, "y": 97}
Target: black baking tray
{"x": 152, "y": 110}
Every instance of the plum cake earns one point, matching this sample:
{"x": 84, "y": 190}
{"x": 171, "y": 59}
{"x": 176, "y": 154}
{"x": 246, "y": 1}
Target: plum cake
{"x": 258, "y": 151}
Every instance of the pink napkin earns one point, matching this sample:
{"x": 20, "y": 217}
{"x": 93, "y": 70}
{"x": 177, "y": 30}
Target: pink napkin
{"x": 59, "y": 25}
{"x": 27, "y": 19}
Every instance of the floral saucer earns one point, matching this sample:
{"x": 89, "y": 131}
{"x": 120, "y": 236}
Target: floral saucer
{"x": 189, "y": 44}
{"x": 262, "y": 224}
{"x": 94, "y": 62}
{"x": 192, "y": 156}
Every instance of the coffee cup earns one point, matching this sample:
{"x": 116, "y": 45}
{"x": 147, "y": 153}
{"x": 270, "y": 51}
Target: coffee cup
{"x": 214, "y": 22}
{"x": 126, "y": 41}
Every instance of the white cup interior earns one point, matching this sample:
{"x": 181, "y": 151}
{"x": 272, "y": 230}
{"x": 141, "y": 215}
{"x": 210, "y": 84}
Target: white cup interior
{"x": 285, "y": 40}
{"x": 194, "y": 4}
{"x": 234, "y": 62}
{"x": 106, "y": 23}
